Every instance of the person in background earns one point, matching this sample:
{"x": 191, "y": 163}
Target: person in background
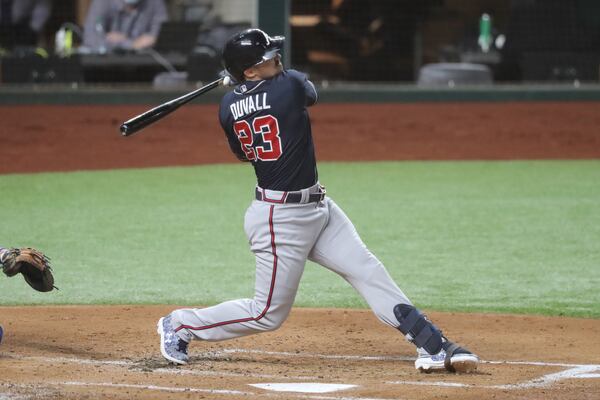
{"x": 22, "y": 22}
{"x": 123, "y": 24}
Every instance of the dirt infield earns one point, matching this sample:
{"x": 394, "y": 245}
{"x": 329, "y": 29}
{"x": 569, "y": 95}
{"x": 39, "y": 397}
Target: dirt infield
{"x": 112, "y": 352}
{"x": 80, "y": 352}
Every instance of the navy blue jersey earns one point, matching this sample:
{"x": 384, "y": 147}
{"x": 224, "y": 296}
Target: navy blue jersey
{"x": 267, "y": 123}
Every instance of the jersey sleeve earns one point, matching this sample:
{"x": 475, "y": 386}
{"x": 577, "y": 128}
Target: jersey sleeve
{"x": 308, "y": 88}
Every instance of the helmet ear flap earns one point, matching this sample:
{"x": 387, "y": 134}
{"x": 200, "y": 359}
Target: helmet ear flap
{"x": 232, "y": 72}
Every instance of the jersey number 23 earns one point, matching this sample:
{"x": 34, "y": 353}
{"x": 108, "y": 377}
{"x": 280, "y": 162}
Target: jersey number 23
{"x": 265, "y": 126}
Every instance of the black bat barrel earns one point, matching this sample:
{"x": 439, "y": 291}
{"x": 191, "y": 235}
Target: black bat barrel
{"x": 141, "y": 121}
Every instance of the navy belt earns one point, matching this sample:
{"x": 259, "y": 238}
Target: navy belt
{"x": 292, "y": 197}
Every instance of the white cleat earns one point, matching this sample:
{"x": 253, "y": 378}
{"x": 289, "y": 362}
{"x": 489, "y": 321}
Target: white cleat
{"x": 426, "y": 362}
{"x": 464, "y": 363}
{"x": 458, "y": 360}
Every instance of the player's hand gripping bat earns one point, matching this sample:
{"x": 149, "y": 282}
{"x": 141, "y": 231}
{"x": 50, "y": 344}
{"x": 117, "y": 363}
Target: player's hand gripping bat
{"x": 141, "y": 121}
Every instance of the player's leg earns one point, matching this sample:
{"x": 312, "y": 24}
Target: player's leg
{"x": 434, "y": 350}
{"x": 340, "y": 249}
{"x": 280, "y": 237}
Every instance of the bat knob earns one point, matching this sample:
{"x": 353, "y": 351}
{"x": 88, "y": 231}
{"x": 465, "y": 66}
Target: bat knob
{"x": 124, "y": 129}
{"x": 227, "y": 81}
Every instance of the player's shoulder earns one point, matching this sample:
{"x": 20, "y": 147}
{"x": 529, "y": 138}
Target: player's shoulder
{"x": 292, "y": 74}
{"x": 226, "y": 101}
{"x": 291, "y": 79}
{"x": 227, "y": 97}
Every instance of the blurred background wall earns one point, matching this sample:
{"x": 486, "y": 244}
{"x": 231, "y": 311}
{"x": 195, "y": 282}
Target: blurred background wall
{"x": 427, "y": 42}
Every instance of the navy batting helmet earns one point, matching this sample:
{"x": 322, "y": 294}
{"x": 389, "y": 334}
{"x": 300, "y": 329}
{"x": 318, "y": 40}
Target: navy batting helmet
{"x": 248, "y": 48}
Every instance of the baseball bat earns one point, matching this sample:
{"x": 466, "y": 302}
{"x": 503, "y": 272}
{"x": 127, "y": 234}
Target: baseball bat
{"x": 141, "y": 121}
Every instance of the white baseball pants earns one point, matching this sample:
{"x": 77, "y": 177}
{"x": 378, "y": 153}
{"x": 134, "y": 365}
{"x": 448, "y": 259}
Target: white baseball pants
{"x": 283, "y": 237}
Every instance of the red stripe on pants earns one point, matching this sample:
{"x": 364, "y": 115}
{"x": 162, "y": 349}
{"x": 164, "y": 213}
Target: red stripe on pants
{"x": 273, "y": 276}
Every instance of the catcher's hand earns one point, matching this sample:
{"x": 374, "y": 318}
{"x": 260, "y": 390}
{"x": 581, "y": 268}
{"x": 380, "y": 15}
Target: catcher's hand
{"x": 33, "y": 264}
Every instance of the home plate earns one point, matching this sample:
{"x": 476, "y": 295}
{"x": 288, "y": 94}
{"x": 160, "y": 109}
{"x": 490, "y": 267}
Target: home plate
{"x": 304, "y": 387}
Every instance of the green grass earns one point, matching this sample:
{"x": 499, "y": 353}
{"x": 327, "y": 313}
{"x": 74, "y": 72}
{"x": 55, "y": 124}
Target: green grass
{"x": 520, "y": 237}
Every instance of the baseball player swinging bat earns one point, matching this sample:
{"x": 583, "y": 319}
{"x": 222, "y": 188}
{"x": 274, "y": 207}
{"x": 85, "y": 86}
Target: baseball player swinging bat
{"x": 141, "y": 121}
{"x": 290, "y": 219}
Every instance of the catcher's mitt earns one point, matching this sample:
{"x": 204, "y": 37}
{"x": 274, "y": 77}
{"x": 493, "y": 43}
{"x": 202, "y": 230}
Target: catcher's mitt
{"x": 33, "y": 264}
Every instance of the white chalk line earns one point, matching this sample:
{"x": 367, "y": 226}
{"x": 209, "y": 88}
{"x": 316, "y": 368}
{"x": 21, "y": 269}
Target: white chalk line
{"x": 574, "y": 370}
{"x": 195, "y": 390}
{"x": 587, "y": 376}
{"x": 154, "y": 387}
{"x": 20, "y": 396}
{"x": 73, "y": 360}
{"x": 541, "y": 382}
{"x": 224, "y": 352}
{"x": 135, "y": 386}
{"x": 173, "y": 371}
{"x": 549, "y": 379}
{"x": 212, "y": 391}
{"x": 423, "y": 383}
{"x": 381, "y": 358}
{"x": 6, "y": 396}
{"x": 316, "y": 355}
{"x": 580, "y": 371}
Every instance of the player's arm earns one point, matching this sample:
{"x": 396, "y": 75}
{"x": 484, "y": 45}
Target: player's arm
{"x": 311, "y": 92}
{"x": 234, "y": 143}
{"x": 307, "y": 87}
